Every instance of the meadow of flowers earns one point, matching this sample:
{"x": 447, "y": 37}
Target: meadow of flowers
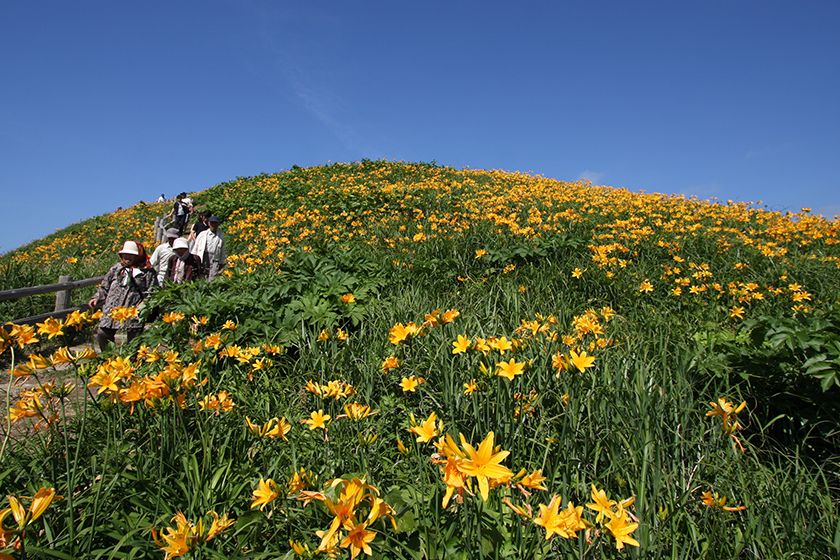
{"x": 411, "y": 361}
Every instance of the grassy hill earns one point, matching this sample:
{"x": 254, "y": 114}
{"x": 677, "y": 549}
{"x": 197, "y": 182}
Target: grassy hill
{"x": 576, "y": 343}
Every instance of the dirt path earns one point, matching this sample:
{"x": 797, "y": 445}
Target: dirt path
{"x": 11, "y": 390}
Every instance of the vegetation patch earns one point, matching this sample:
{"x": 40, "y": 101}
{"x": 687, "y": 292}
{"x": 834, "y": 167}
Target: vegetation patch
{"x": 412, "y": 361}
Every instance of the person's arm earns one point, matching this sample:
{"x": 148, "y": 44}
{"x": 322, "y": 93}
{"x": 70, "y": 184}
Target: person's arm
{"x": 171, "y": 263}
{"x": 154, "y": 260}
{"x": 198, "y": 246}
{"x": 102, "y": 291}
{"x": 151, "y": 283}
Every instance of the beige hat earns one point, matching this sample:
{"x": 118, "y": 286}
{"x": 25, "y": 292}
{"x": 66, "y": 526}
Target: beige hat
{"x": 180, "y": 243}
{"x": 130, "y": 248}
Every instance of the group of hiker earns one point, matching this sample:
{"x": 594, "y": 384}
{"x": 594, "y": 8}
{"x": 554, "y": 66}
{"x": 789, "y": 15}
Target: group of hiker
{"x": 176, "y": 260}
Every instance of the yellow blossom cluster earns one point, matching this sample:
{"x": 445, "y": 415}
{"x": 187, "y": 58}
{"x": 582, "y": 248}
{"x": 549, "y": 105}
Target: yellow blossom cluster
{"x": 173, "y": 317}
{"x": 186, "y": 536}
{"x": 586, "y": 335}
{"x": 117, "y": 378}
{"x": 41, "y": 402}
{"x": 273, "y": 428}
{"x": 463, "y": 465}
{"x": 328, "y": 334}
{"x": 508, "y": 204}
{"x": 400, "y": 333}
{"x": 355, "y": 506}
{"x": 109, "y": 229}
{"x": 222, "y": 402}
{"x": 334, "y": 389}
{"x": 614, "y": 517}
{"x": 23, "y": 335}
{"x": 63, "y": 355}
{"x": 121, "y": 314}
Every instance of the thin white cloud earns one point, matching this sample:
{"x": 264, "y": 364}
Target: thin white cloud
{"x": 315, "y": 97}
{"x": 591, "y": 176}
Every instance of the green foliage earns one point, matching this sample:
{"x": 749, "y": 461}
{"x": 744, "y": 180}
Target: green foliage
{"x": 790, "y": 367}
{"x": 282, "y": 307}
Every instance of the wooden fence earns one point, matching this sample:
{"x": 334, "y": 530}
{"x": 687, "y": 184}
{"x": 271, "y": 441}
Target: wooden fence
{"x": 63, "y": 297}
{"x": 65, "y": 286}
{"x": 160, "y": 228}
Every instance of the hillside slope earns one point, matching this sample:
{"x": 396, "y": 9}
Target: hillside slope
{"x": 425, "y": 359}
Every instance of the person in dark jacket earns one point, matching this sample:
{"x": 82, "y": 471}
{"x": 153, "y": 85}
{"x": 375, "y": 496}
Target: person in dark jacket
{"x": 200, "y": 224}
{"x": 183, "y": 266}
{"x": 126, "y": 284}
{"x": 181, "y": 212}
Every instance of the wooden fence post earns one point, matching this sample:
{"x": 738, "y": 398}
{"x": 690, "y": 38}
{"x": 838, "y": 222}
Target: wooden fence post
{"x": 158, "y": 229}
{"x": 62, "y": 297}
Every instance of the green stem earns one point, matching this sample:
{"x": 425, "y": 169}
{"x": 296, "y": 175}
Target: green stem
{"x": 8, "y": 404}
{"x": 70, "y": 478}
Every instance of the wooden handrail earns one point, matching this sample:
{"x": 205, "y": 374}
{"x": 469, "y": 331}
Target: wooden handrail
{"x": 63, "y": 289}
{"x": 44, "y": 316}
{"x": 48, "y": 288}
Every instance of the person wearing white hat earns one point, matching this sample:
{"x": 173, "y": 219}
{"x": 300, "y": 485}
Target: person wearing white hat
{"x": 160, "y": 257}
{"x": 183, "y": 266}
{"x": 126, "y": 284}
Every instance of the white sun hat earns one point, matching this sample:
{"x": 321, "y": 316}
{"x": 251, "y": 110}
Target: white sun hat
{"x": 180, "y": 243}
{"x": 130, "y": 248}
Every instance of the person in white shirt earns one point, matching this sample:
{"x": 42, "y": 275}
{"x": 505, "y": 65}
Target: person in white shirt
{"x": 160, "y": 258}
{"x": 209, "y": 247}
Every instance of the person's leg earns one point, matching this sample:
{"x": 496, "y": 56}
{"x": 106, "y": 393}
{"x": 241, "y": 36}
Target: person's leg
{"x": 131, "y": 334}
{"x": 104, "y": 336}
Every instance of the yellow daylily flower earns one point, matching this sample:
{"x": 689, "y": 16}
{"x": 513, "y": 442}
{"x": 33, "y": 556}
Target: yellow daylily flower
{"x": 266, "y": 492}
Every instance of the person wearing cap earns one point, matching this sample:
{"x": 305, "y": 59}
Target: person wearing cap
{"x": 126, "y": 284}
{"x": 209, "y": 247}
{"x": 160, "y": 257}
{"x": 183, "y": 266}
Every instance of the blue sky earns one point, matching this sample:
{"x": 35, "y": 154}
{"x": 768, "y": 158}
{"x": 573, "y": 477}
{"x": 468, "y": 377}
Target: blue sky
{"x": 103, "y": 104}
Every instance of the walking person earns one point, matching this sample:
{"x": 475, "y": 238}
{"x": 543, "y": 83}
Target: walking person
{"x": 209, "y": 247}
{"x": 180, "y": 212}
{"x": 183, "y": 266}
{"x": 126, "y": 284}
{"x": 200, "y": 224}
{"x": 161, "y": 254}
